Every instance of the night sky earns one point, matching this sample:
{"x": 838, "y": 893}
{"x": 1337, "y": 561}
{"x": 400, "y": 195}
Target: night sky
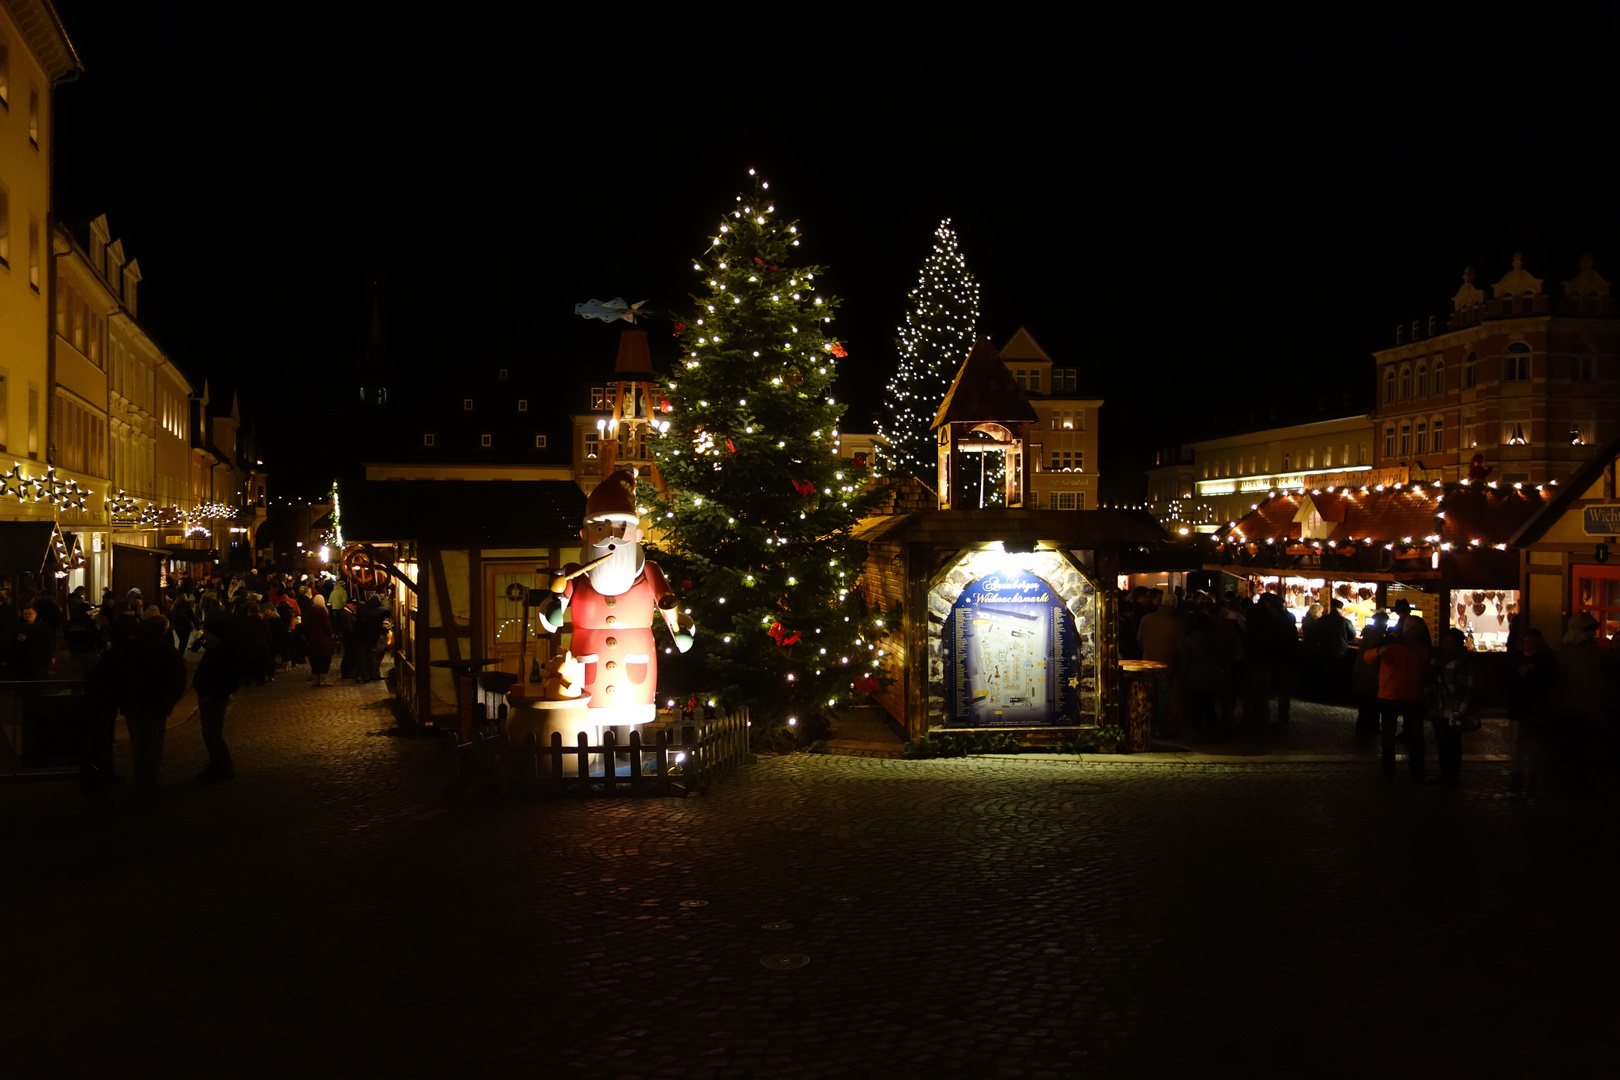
{"x": 1217, "y": 222}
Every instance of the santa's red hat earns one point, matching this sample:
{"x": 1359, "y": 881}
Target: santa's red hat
{"x": 614, "y": 499}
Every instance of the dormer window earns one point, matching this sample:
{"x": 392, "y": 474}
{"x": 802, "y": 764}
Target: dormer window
{"x": 466, "y": 404}
{"x": 485, "y": 440}
{"x": 502, "y": 375}
{"x": 427, "y": 440}
{"x": 523, "y": 404}
{"x": 539, "y": 442}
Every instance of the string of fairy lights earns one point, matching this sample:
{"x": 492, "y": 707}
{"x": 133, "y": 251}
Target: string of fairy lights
{"x": 1434, "y": 494}
{"x": 937, "y": 335}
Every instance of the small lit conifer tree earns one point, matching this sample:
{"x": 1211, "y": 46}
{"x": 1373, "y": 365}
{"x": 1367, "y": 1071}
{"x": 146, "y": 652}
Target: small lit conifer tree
{"x": 937, "y": 336}
{"x": 754, "y": 524}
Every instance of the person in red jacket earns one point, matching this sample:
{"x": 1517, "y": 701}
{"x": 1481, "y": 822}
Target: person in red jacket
{"x": 1401, "y": 667}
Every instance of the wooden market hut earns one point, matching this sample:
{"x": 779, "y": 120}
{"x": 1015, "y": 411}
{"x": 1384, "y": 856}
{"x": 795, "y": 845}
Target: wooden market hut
{"x": 1003, "y": 617}
{"x": 939, "y": 573}
{"x": 1564, "y": 551}
{"x": 454, "y": 558}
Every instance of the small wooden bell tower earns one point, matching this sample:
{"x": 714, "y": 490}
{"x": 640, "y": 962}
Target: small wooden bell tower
{"x": 983, "y": 412}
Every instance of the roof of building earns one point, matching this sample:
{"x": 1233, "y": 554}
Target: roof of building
{"x": 984, "y": 391}
{"x": 1570, "y": 490}
{"x": 451, "y": 513}
{"x": 47, "y": 39}
{"x": 1460, "y": 514}
{"x": 1023, "y": 346}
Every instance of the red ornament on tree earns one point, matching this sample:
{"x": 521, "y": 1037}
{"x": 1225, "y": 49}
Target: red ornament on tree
{"x": 664, "y": 406}
{"x": 804, "y": 487}
{"x": 680, "y": 328}
{"x": 763, "y": 263}
{"x": 838, "y": 350}
{"x": 731, "y": 446}
{"x": 866, "y": 682}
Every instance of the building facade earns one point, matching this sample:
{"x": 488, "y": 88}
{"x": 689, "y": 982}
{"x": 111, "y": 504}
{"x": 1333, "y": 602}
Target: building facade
{"x": 1206, "y": 485}
{"x": 1063, "y": 441}
{"x": 1518, "y": 377}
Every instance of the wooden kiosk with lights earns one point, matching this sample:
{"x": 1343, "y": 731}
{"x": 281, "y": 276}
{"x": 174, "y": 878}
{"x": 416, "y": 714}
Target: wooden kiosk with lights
{"x": 1004, "y": 616}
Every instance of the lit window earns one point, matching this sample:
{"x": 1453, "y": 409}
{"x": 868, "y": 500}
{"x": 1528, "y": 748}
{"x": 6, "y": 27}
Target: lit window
{"x": 539, "y": 442}
{"x": 483, "y": 440}
{"x": 593, "y": 443}
{"x": 598, "y": 398}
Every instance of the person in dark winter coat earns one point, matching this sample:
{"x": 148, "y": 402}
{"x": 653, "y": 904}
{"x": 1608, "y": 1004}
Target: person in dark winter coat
{"x": 322, "y": 643}
{"x": 152, "y": 681}
{"x": 372, "y": 631}
{"x": 253, "y": 642}
{"x": 1532, "y": 685}
{"x": 219, "y": 673}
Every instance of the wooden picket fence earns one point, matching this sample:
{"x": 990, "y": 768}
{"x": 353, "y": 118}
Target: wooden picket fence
{"x": 491, "y": 765}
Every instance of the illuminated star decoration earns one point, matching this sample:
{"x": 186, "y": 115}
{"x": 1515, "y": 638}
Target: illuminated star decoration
{"x": 609, "y": 311}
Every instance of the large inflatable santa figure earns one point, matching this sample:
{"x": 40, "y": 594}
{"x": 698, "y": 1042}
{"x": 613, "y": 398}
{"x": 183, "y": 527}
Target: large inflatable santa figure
{"x": 613, "y": 596}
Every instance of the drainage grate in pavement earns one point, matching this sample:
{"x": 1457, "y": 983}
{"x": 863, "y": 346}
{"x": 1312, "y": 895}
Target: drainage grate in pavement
{"x": 783, "y": 961}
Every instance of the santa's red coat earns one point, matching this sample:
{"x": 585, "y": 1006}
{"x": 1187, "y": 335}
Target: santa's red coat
{"x": 613, "y": 638}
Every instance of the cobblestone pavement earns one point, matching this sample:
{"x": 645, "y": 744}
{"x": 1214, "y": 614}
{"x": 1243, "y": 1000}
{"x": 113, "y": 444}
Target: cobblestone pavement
{"x": 325, "y": 916}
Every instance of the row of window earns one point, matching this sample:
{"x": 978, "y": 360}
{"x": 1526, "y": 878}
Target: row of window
{"x": 5, "y": 95}
{"x": 1068, "y": 461}
{"x": 1410, "y": 383}
{"x": 1415, "y": 437}
{"x": 429, "y": 439}
{"x": 1069, "y": 420}
{"x": 5, "y": 238}
{"x": 1063, "y": 379}
{"x": 1305, "y": 459}
{"x": 1066, "y": 500}
{"x": 467, "y": 405}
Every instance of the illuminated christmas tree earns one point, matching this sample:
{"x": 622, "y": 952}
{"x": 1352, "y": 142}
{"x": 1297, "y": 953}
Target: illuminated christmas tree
{"x": 937, "y": 336}
{"x": 754, "y": 524}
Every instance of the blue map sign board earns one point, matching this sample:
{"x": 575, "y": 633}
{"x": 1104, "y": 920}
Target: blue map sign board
{"x": 1011, "y": 655}
{"x": 1601, "y": 520}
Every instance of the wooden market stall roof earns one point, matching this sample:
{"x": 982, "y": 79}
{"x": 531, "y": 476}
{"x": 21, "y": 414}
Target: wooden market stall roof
{"x": 1388, "y": 532}
{"x": 1576, "y": 487}
{"x": 463, "y": 513}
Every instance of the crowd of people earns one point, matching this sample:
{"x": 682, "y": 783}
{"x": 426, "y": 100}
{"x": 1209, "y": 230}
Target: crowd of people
{"x": 131, "y": 650}
{"x": 1233, "y": 667}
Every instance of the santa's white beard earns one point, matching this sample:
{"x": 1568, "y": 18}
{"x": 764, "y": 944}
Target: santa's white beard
{"x": 623, "y": 566}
